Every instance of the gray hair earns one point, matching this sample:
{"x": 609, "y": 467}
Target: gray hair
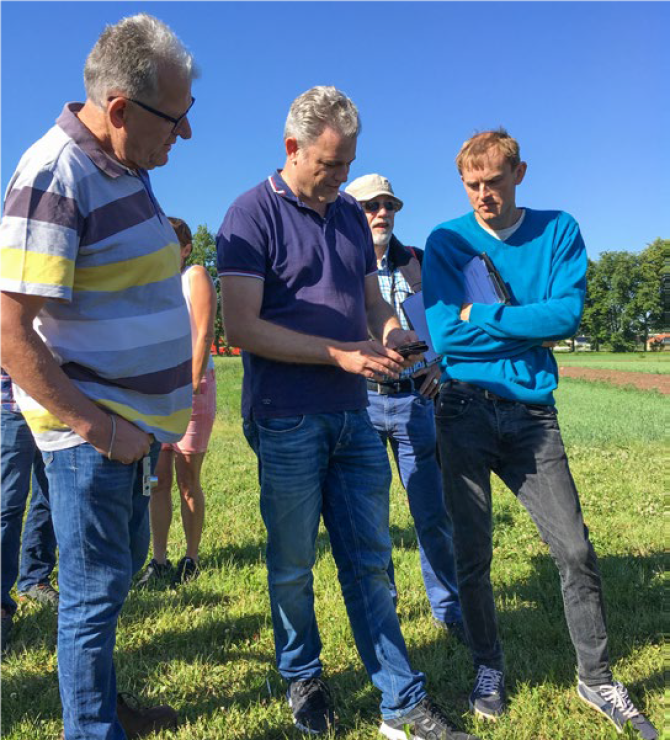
{"x": 128, "y": 57}
{"x": 321, "y": 107}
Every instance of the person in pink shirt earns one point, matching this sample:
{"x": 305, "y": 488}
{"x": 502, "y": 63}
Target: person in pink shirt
{"x": 187, "y": 455}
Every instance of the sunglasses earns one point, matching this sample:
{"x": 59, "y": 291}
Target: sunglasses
{"x": 164, "y": 116}
{"x": 372, "y": 206}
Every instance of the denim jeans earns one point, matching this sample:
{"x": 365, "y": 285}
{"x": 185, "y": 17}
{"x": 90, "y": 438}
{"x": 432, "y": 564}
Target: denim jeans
{"x": 102, "y": 527}
{"x": 21, "y": 462}
{"x": 521, "y": 443}
{"x": 407, "y": 422}
{"x": 331, "y": 465}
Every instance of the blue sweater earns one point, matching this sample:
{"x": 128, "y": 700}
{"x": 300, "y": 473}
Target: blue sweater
{"x": 544, "y": 267}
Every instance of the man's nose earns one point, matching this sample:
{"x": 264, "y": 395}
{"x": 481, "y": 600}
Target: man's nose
{"x": 342, "y": 173}
{"x": 184, "y": 128}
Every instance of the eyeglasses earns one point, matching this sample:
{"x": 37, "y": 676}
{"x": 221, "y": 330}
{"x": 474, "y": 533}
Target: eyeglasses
{"x": 164, "y": 116}
{"x": 372, "y": 206}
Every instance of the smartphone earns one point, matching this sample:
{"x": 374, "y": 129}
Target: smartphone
{"x": 413, "y": 348}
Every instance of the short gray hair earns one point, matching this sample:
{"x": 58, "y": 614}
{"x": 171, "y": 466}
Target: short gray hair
{"x": 318, "y": 108}
{"x": 128, "y": 57}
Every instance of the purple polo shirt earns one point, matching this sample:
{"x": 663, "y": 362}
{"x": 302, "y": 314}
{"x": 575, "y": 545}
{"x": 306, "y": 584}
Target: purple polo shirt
{"x": 313, "y": 269}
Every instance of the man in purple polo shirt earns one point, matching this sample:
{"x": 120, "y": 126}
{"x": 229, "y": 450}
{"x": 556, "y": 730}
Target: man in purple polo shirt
{"x": 300, "y": 292}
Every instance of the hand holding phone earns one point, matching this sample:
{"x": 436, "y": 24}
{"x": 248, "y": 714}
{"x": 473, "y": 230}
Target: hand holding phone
{"x": 413, "y": 348}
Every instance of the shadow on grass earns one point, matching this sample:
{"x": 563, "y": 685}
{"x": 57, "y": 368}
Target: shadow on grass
{"x": 530, "y": 612}
{"x": 532, "y": 626}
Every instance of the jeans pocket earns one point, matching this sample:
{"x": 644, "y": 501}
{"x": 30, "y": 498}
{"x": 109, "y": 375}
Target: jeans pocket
{"x": 281, "y": 424}
{"x": 540, "y": 411}
{"x": 48, "y": 458}
{"x": 452, "y": 405}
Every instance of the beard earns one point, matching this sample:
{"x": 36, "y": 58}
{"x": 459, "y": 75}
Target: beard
{"x": 381, "y": 240}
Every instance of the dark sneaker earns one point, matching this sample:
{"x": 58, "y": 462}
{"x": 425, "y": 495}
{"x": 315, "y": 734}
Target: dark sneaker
{"x": 488, "y": 696}
{"x": 312, "y": 706}
{"x": 613, "y": 701}
{"x": 454, "y": 629}
{"x": 43, "y": 593}
{"x": 425, "y": 722}
{"x": 138, "y": 721}
{"x": 5, "y": 629}
{"x": 187, "y": 570}
{"x": 154, "y": 573}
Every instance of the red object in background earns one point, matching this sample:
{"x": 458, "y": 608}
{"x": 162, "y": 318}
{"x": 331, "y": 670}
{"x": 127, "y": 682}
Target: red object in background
{"x": 225, "y": 351}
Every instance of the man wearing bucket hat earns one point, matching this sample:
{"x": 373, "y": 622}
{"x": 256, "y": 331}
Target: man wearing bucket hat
{"x": 403, "y": 411}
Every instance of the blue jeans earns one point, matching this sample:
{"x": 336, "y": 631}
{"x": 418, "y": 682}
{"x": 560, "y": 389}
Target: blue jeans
{"x": 521, "y": 443}
{"x": 102, "y": 527}
{"x": 407, "y": 422}
{"x": 21, "y": 461}
{"x": 331, "y": 465}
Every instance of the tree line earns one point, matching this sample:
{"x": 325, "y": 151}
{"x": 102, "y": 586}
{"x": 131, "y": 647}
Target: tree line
{"x": 627, "y": 298}
{"x": 627, "y": 294}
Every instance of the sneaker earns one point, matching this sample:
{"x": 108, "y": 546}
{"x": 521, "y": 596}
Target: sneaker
{"x": 187, "y": 570}
{"x": 154, "y": 572}
{"x": 455, "y": 629}
{"x": 426, "y": 721}
{"x": 43, "y": 593}
{"x": 138, "y": 721}
{"x": 5, "y": 629}
{"x": 613, "y": 701}
{"x": 312, "y": 706}
{"x": 488, "y": 696}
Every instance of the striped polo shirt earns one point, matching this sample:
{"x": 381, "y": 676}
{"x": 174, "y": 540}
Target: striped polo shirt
{"x": 85, "y": 232}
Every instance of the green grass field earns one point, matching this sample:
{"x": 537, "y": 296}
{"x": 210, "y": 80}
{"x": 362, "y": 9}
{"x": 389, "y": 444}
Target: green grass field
{"x": 635, "y": 362}
{"x": 207, "y": 648}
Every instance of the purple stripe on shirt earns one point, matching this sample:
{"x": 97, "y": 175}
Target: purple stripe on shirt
{"x": 42, "y": 205}
{"x": 117, "y": 216}
{"x": 152, "y": 384}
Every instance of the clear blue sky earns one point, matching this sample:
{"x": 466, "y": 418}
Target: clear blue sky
{"x": 583, "y": 86}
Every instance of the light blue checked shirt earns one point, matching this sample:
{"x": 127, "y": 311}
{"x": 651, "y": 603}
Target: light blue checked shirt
{"x": 395, "y": 289}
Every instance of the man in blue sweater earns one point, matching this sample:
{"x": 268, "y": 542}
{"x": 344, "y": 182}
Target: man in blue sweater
{"x": 496, "y": 412}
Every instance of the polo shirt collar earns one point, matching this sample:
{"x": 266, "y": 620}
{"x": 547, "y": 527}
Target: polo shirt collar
{"x": 278, "y": 185}
{"x": 85, "y": 140}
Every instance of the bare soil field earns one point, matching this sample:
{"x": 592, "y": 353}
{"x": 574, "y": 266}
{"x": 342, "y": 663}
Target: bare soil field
{"x": 643, "y": 381}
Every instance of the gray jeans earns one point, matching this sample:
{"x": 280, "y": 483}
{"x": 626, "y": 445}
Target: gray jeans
{"x": 521, "y": 443}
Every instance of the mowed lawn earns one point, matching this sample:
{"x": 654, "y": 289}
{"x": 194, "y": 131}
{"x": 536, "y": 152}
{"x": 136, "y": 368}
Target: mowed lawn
{"x": 207, "y": 647}
{"x": 635, "y": 362}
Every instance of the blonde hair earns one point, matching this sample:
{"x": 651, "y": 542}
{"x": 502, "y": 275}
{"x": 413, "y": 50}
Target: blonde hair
{"x": 477, "y": 147}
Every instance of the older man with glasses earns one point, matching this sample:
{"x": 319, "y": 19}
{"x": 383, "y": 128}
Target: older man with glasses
{"x": 89, "y": 279}
{"x": 402, "y": 411}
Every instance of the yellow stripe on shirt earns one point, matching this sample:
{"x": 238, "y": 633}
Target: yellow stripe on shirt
{"x": 35, "y": 267}
{"x": 40, "y": 421}
{"x": 175, "y": 423}
{"x": 149, "y": 268}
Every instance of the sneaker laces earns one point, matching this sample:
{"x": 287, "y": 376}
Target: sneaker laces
{"x": 488, "y": 681}
{"x": 617, "y": 695}
{"x": 434, "y": 712}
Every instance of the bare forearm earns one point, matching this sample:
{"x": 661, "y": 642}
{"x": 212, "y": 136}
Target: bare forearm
{"x": 201, "y": 350}
{"x": 275, "y": 342}
{"x": 382, "y": 320}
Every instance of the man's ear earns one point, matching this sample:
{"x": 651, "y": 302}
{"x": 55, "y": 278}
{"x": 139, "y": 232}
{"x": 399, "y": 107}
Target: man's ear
{"x": 117, "y": 109}
{"x": 520, "y": 173}
{"x": 291, "y": 144}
